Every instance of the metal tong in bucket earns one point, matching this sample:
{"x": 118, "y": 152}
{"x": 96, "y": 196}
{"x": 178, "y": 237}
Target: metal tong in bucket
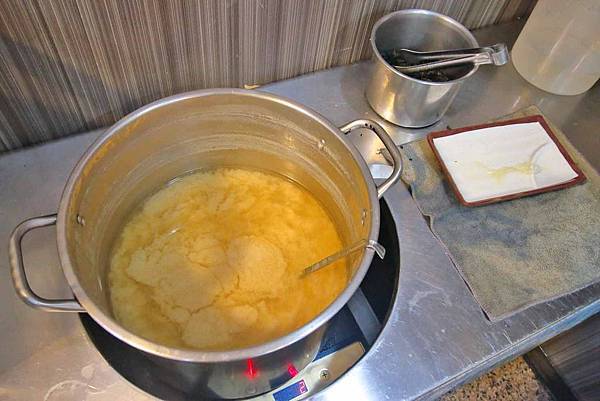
{"x": 424, "y": 61}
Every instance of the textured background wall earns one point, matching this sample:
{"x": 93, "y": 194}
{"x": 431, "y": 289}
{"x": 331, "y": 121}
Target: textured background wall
{"x": 68, "y": 66}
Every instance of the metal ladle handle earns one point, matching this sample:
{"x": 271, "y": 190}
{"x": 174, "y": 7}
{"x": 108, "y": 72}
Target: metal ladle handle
{"x": 334, "y": 257}
{"x": 391, "y": 180}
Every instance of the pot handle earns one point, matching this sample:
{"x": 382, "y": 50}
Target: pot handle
{"x": 17, "y": 269}
{"x": 389, "y": 145}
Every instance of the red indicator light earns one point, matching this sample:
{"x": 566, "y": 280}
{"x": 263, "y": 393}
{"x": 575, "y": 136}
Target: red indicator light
{"x": 251, "y": 371}
{"x": 292, "y": 370}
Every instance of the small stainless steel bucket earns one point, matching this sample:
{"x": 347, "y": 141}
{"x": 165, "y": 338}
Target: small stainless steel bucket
{"x": 404, "y": 100}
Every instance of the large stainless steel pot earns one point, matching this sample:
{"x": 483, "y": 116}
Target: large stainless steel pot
{"x": 200, "y": 130}
{"x": 404, "y": 100}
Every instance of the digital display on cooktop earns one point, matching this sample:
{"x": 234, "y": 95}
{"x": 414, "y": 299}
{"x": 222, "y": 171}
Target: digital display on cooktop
{"x": 290, "y": 392}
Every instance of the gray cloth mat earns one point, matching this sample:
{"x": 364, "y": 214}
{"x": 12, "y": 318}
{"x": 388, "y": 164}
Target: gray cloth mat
{"x": 517, "y": 253}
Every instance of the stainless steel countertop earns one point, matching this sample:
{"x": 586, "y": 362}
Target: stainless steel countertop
{"x": 436, "y": 337}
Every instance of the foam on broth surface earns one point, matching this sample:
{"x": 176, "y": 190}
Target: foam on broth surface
{"x": 213, "y": 261}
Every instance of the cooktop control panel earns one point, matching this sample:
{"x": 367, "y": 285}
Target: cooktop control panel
{"x": 343, "y": 345}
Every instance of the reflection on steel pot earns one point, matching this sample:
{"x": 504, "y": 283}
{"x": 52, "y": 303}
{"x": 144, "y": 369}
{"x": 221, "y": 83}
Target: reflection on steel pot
{"x": 203, "y": 130}
{"x": 402, "y": 99}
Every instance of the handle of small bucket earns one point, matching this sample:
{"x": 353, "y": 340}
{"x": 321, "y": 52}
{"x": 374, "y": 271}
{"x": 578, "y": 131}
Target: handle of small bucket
{"x": 389, "y": 145}
{"x": 17, "y": 270}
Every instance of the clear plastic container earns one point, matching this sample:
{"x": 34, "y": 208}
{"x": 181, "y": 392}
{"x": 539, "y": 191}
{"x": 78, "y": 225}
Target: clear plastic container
{"x": 559, "y": 48}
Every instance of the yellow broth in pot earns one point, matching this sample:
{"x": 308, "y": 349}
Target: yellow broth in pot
{"x": 213, "y": 261}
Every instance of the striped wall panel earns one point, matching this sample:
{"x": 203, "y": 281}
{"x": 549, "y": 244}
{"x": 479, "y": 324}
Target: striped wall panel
{"x": 68, "y": 66}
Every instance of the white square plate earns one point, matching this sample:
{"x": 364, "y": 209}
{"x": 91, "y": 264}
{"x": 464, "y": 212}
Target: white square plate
{"x": 503, "y": 161}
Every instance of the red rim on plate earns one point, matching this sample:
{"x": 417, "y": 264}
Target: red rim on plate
{"x": 530, "y": 119}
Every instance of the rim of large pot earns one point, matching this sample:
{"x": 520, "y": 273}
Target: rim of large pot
{"x": 192, "y": 355}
